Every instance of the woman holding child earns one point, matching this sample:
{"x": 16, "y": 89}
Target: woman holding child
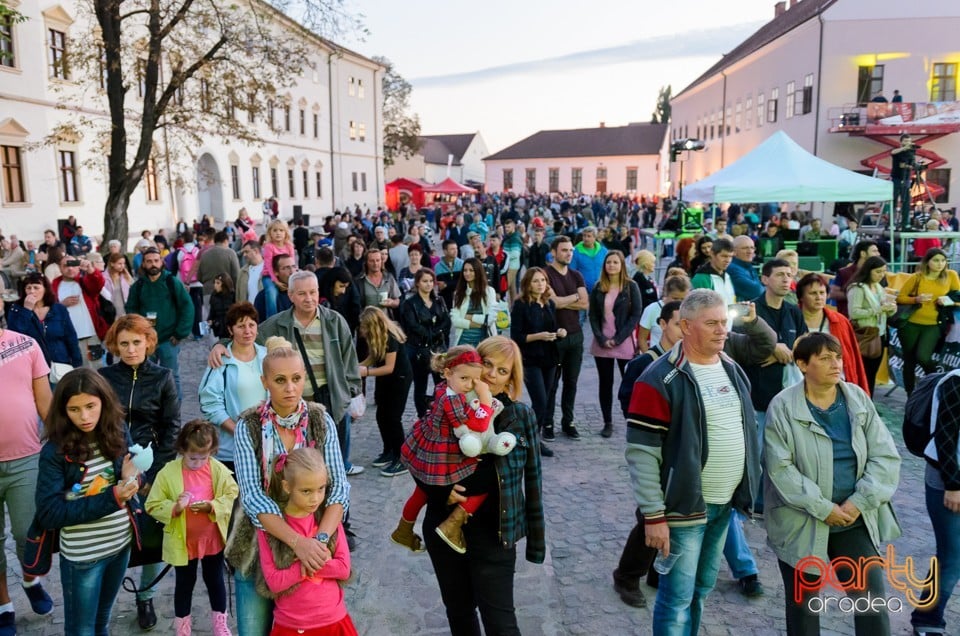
{"x": 265, "y": 435}
{"x": 483, "y": 576}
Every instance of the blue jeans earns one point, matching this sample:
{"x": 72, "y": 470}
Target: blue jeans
{"x": 270, "y": 295}
{"x": 254, "y": 613}
{"x": 89, "y": 591}
{"x": 682, "y": 592}
{"x": 149, "y": 572}
{"x": 736, "y": 550}
{"x": 167, "y": 355}
{"x": 946, "y": 530}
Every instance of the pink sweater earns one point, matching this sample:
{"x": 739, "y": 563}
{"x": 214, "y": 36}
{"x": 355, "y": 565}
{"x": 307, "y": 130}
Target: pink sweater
{"x": 318, "y": 601}
{"x": 269, "y": 251}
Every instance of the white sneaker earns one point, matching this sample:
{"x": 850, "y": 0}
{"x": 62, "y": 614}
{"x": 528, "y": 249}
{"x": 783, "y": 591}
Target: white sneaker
{"x": 356, "y": 469}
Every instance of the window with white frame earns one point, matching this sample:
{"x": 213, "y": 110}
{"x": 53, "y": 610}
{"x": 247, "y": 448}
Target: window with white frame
{"x": 806, "y": 105}
{"x": 632, "y": 179}
{"x": 67, "y": 164}
{"x": 363, "y": 181}
{"x": 319, "y": 184}
{"x": 761, "y": 110}
{"x": 352, "y": 87}
{"x": 576, "y": 180}
{"x": 791, "y": 96}
{"x": 362, "y": 131}
{"x": 727, "y": 120}
{"x": 11, "y": 158}
{"x": 316, "y": 125}
{"x": 306, "y": 184}
{"x": 360, "y": 88}
{"x": 737, "y": 117}
{"x": 150, "y": 183}
{"x": 508, "y": 179}
{"x": 56, "y": 54}
{"x": 274, "y": 185}
{"x": 531, "y": 181}
{"x": 286, "y": 117}
{"x": 772, "y": 104}
{"x": 748, "y": 113}
{"x": 353, "y": 130}
{"x": 353, "y": 179}
{"x": 303, "y": 122}
{"x": 255, "y": 175}
{"x": 943, "y": 84}
{"x": 235, "y": 181}
{"x": 8, "y": 53}
{"x": 291, "y": 187}
{"x": 554, "y": 179}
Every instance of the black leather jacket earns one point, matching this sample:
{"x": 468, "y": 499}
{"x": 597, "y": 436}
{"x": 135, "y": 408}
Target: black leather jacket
{"x": 425, "y": 327}
{"x": 148, "y": 396}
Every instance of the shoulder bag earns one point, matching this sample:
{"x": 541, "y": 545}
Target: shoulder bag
{"x": 868, "y": 337}
{"x": 899, "y": 319}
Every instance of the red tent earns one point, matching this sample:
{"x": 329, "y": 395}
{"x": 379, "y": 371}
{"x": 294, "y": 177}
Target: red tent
{"x": 449, "y": 186}
{"x": 402, "y": 191}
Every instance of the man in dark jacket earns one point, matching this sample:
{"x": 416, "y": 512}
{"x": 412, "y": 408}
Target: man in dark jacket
{"x": 161, "y": 298}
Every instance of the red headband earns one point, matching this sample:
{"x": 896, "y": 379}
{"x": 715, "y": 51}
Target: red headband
{"x": 467, "y": 357}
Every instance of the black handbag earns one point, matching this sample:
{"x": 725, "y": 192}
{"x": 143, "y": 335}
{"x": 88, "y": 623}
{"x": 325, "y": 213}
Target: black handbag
{"x": 900, "y": 319}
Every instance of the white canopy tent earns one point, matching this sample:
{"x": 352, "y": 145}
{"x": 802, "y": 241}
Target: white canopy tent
{"x": 780, "y": 170}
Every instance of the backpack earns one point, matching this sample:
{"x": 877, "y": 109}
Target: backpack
{"x": 188, "y": 266}
{"x": 171, "y": 262}
{"x": 918, "y": 414}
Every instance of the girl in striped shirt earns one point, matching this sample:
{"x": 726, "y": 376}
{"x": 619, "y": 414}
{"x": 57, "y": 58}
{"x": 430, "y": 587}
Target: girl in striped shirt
{"x": 87, "y": 489}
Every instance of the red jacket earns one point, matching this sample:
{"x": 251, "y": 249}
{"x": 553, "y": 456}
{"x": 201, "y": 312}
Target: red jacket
{"x": 91, "y": 284}
{"x": 842, "y": 329}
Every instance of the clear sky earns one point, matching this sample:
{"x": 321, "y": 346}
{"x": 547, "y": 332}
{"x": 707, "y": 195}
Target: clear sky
{"x": 508, "y": 68}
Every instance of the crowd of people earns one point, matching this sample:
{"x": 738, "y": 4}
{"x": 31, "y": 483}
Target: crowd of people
{"x": 720, "y": 364}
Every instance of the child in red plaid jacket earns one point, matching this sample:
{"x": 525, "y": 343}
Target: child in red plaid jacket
{"x": 441, "y": 448}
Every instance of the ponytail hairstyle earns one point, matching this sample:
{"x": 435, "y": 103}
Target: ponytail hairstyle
{"x": 454, "y": 357}
{"x": 197, "y": 435}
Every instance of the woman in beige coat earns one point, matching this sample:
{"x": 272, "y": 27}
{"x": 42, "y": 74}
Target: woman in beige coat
{"x": 831, "y": 469}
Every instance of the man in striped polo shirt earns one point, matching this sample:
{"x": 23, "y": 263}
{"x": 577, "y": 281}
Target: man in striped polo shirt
{"x": 693, "y": 454}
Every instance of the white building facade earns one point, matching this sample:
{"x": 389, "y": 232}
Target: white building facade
{"x": 323, "y": 153}
{"x": 614, "y": 160}
{"x": 814, "y": 64}
{"x": 459, "y": 157}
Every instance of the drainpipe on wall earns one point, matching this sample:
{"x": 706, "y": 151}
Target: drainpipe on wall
{"x": 333, "y": 179}
{"x": 816, "y": 119}
{"x": 723, "y": 120}
{"x": 377, "y": 99}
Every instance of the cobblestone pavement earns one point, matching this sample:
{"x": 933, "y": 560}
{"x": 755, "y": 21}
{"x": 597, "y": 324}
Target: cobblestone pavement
{"x": 589, "y": 510}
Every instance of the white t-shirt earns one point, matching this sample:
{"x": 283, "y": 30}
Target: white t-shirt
{"x": 651, "y": 320}
{"x": 253, "y": 281}
{"x": 726, "y": 447}
{"x": 79, "y": 314}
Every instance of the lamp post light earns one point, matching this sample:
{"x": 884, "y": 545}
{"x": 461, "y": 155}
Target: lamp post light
{"x": 684, "y": 145}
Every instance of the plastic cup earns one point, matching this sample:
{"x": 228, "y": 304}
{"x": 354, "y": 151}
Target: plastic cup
{"x": 152, "y": 317}
{"x": 663, "y": 564}
{"x": 383, "y": 297}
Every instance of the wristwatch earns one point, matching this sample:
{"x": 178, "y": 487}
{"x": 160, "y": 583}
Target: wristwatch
{"x": 323, "y": 538}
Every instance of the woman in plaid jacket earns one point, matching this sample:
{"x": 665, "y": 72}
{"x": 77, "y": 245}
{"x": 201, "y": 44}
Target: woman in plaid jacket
{"x": 513, "y": 509}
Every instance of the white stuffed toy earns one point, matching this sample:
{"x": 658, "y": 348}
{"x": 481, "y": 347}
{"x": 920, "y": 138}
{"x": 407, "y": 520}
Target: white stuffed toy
{"x": 473, "y": 443}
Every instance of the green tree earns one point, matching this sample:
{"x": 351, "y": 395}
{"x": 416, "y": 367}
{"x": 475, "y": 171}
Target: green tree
{"x": 181, "y": 70}
{"x": 661, "y": 113}
{"x": 401, "y": 129}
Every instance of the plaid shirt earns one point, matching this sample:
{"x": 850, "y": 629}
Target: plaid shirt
{"x": 946, "y": 435}
{"x": 431, "y": 450}
{"x": 521, "y": 502}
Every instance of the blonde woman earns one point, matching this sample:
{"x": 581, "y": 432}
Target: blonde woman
{"x": 615, "y": 310}
{"x": 646, "y": 264}
{"x": 278, "y": 242}
{"x": 387, "y": 362}
{"x": 116, "y": 281}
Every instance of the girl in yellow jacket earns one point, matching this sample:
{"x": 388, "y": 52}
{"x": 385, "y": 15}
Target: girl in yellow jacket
{"x": 193, "y": 496}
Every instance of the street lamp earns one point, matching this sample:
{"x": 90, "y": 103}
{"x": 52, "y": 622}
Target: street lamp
{"x": 684, "y": 145}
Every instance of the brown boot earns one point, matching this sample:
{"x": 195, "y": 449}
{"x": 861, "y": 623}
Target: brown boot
{"x": 405, "y": 536}
{"x": 451, "y": 530}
